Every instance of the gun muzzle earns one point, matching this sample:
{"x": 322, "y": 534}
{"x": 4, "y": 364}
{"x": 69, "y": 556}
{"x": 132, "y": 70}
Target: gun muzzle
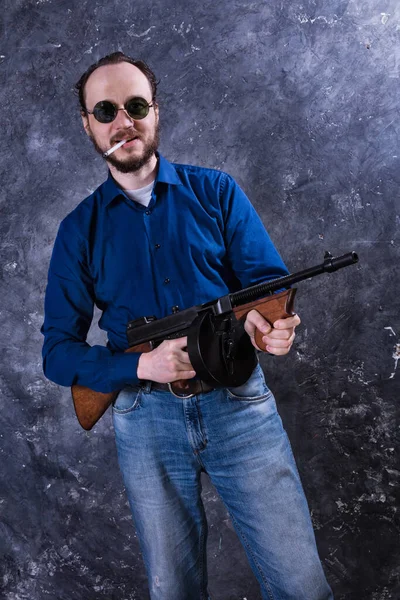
{"x": 333, "y": 264}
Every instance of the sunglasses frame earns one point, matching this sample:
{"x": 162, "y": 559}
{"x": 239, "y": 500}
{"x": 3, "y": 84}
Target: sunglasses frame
{"x": 125, "y": 109}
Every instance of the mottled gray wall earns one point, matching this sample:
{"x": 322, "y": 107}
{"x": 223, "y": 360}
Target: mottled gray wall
{"x": 299, "y": 102}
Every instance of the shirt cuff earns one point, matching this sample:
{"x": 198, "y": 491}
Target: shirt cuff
{"x": 124, "y": 369}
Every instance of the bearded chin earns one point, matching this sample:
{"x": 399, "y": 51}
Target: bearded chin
{"x": 131, "y": 163}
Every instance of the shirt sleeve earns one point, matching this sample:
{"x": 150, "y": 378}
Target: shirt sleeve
{"x": 253, "y": 256}
{"x": 69, "y": 301}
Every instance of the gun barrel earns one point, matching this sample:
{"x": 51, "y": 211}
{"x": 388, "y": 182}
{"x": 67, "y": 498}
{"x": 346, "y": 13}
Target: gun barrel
{"x": 329, "y": 265}
{"x": 179, "y": 323}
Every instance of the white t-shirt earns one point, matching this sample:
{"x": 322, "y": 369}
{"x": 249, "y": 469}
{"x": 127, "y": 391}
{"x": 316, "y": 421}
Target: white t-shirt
{"x": 142, "y": 195}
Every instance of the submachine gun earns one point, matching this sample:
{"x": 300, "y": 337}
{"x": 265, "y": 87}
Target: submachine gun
{"x": 219, "y": 348}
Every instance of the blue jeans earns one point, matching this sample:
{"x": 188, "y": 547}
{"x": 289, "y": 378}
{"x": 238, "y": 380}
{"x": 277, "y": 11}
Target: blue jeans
{"x": 236, "y": 436}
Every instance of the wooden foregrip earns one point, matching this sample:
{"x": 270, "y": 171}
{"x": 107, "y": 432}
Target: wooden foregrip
{"x": 90, "y": 405}
{"x": 272, "y": 308}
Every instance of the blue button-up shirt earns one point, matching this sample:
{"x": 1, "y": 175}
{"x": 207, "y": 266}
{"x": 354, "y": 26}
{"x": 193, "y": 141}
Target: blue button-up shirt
{"x": 199, "y": 239}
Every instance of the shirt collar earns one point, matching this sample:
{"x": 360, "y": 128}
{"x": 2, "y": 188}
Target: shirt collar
{"x": 166, "y": 174}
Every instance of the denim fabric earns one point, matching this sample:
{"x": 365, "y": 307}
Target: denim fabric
{"x": 236, "y": 436}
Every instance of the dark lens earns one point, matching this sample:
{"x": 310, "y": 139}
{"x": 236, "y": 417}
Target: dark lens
{"x": 137, "y": 108}
{"x": 104, "y": 112}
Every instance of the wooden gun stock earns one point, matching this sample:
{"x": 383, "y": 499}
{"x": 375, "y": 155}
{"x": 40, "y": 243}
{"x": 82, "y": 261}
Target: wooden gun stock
{"x": 90, "y": 405}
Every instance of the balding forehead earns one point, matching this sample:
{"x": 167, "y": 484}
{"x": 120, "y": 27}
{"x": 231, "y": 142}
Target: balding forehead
{"x": 117, "y": 82}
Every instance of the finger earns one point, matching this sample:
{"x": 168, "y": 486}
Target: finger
{"x": 287, "y": 323}
{"x": 179, "y": 342}
{"x": 183, "y": 374}
{"x": 279, "y": 334}
{"x": 183, "y": 357}
{"x": 287, "y": 340}
{"x": 278, "y": 351}
{"x": 278, "y": 344}
{"x": 256, "y": 321}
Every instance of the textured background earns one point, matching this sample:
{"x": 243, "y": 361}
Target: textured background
{"x": 299, "y": 102}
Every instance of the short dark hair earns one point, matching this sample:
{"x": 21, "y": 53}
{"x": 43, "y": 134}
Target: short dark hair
{"x": 114, "y": 59}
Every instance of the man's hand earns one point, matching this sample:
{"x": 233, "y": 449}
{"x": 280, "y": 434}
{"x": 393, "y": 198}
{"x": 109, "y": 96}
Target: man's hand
{"x": 277, "y": 339}
{"x": 166, "y": 363}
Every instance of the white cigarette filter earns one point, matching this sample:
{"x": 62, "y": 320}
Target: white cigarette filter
{"x": 114, "y": 148}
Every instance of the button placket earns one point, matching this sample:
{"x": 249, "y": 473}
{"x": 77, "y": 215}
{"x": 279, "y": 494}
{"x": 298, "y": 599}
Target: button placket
{"x": 161, "y": 262}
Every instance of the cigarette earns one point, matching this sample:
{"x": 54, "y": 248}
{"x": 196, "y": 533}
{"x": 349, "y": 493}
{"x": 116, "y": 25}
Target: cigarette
{"x": 111, "y": 150}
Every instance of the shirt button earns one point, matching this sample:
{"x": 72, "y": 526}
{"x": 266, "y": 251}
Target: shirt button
{"x": 157, "y": 246}
{"x": 148, "y": 212}
{"x": 166, "y": 280}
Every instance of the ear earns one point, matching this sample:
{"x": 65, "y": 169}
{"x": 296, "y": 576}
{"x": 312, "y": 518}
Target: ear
{"x": 85, "y": 122}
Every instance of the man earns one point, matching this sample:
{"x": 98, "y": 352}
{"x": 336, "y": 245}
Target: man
{"x": 152, "y": 237}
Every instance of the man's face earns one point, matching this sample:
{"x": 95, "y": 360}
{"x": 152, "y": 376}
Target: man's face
{"x": 118, "y": 83}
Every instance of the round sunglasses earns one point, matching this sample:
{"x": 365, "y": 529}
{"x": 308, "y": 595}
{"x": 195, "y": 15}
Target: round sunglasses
{"x": 105, "y": 111}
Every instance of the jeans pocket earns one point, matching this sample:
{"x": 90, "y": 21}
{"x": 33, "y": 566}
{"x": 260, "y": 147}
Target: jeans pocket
{"x": 254, "y": 390}
{"x": 127, "y": 400}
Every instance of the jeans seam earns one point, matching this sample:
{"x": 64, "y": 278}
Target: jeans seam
{"x": 250, "y": 399}
{"x": 294, "y": 460}
{"x": 191, "y": 431}
{"x": 266, "y": 583}
{"x": 135, "y": 406}
{"x": 202, "y": 427}
{"x": 203, "y": 591}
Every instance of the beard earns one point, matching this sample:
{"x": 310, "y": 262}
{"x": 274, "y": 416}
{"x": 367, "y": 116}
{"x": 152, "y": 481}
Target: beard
{"x": 132, "y": 163}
